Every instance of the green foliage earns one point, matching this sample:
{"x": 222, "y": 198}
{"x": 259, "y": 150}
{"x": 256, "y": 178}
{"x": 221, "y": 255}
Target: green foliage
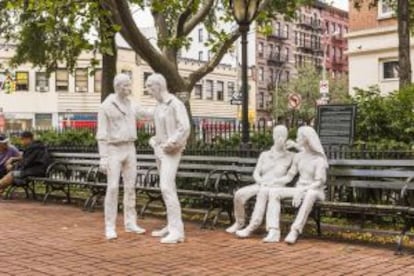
{"x": 389, "y": 118}
{"x": 307, "y": 85}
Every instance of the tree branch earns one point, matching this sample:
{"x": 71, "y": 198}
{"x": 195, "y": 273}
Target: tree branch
{"x": 183, "y": 18}
{"x": 209, "y": 66}
{"x": 198, "y": 17}
{"x": 140, "y": 44}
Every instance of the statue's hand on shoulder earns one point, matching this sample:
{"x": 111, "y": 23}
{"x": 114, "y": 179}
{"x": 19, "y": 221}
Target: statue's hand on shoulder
{"x": 170, "y": 148}
{"x": 103, "y": 165}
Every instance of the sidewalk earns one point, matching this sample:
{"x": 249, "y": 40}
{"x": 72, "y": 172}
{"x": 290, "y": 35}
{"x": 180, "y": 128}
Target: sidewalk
{"x": 38, "y": 239}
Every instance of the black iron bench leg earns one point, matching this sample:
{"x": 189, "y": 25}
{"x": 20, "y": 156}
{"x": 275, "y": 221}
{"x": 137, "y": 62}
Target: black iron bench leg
{"x": 216, "y": 217}
{"x": 400, "y": 240}
{"x": 93, "y": 203}
{"x": 9, "y": 192}
{"x": 33, "y": 189}
{"x": 206, "y": 217}
{"x": 48, "y": 192}
{"x": 317, "y": 218}
{"x": 68, "y": 193}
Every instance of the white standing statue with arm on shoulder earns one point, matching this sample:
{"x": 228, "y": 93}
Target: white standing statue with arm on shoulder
{"x": 172, "y": 129}
{"x": 116, "y": 135}
{"x": 311, "y": 164}
{"x": 271, "y": 164}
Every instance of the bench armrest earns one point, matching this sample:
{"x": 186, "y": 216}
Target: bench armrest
{"x": 222, "y": 174}
{"x": 404, "y": 189}
{"x": 54, "y": 166}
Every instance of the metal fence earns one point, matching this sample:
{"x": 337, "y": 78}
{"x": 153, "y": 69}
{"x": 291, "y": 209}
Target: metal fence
{"x": 219, "y": 139}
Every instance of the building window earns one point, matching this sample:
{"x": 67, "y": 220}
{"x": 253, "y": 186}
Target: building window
{"x": 287, "y": 76}
{"x": 42, "y": 82}
{"x": 200, "y": 35}
{"x": 43, "y": 120}
{"x": 260, "y": 49}
{"x": 261, "y": 74}
{"x": 340, "y": 30}
{"x": 327, "y": 27}
{"x": 22, "y": 81}
{"x": 287, "y": 54}
{"x": 296, "y": 38}
{"x": 220, "y": 91}
{"x": 200, "y": 55}
{"x": 198, "y": 91}
{"x": 81, "y": 80}
{"x": 333, "y": 27}
{"x": 390, "y": 69}
{"x": 209, "y": 90}
{"x": 97, "y": 81}
{"x": 62, "y": 80}
{"x": 287, "y": 31}
{"x": 271, "y": 49}
{"x": 261, "y": 100}
{"x": 385, "y": 9}
{"x": 146, "y": 75}
{"x": 230, "y": 89}
{"x": 277, "y": 28}
{"x": 272, "y": 80}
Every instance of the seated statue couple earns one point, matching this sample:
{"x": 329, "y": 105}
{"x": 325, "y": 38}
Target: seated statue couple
{"x": 275, "y": 169}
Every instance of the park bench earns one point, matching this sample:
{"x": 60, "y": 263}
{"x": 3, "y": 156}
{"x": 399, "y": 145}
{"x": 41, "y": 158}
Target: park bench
{"x": 370, "y": 188}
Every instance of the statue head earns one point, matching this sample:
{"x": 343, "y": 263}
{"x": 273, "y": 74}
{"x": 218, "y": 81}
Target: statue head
{"x": 157, "y": 86}
{"x": 122, "y": 85}
{"x": 308, "y": 139}
{"x": 280, "y": 134}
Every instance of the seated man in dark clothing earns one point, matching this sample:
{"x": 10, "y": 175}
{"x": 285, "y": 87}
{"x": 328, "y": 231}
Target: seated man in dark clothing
{"x": 8, "y": 154}
{"x": 34, "y": 162}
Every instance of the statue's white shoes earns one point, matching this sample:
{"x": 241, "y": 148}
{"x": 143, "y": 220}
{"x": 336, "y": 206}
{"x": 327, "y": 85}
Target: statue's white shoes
{"x": 234, "y": 228}
{"x": 244, "y": 233}
{"x": 134, "y": 229}
{"x": 172, "y": 238}
{"x": 160, "y": 233}
{"x": 272, "y": 236}
{"x": 110, "y": 234}
{"x": 292, "y": 237}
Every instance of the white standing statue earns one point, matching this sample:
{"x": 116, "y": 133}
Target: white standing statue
{"x": 116, "y": 135}
{"x": 172, "y": 128}
{"x": 311, "y": 164}
{"x": 271, "y": 165}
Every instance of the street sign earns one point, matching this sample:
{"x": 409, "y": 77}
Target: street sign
{"x": 236, "y": 98}
{"x": 324, "y": 87}
{"x": 294, "y": 101}
{"x": 336, "y": 124}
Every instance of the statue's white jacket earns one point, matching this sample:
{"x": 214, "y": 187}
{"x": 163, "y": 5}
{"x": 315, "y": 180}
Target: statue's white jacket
{"x": 117, "y": 122}
{"x": 172, "y": 124}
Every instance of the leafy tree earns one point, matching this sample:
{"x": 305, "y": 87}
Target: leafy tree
{"x": 306, "y": 84}
{"x": 388, "y": 118}
{"x": 63, "y": 29}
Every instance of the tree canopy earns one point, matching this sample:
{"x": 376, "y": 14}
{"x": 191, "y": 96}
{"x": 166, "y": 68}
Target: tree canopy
{"x": 62, "y": 29}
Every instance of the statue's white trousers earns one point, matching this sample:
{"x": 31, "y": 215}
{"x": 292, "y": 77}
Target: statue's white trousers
{"x": 241, "y": 196}
{"x": 278, "y": 194}
{"x": 121, "y": 161}
{"x": 167, "y": 167}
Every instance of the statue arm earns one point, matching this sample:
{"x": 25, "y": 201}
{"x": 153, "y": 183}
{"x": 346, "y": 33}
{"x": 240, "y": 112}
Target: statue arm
{"x": 141, "y": 112}
{"x": 291, "y": 173}
{"x": 320, "y": 176}
{"x": 183, "y": 128}
{"x": 102, "y": 134}
{"x": 256, "y": 174}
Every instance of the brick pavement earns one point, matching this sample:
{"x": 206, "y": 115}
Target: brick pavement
{"x": 38, "y": 239}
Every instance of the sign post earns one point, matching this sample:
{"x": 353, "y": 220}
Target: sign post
{"x": 324, "y": 91}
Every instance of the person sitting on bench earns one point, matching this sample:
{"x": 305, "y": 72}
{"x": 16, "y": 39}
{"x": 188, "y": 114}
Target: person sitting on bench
{"x": 34, "y": 162}
{"x": 8, "y": 154}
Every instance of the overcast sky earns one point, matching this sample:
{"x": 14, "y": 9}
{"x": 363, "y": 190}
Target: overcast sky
{"x": 342, "y": 4}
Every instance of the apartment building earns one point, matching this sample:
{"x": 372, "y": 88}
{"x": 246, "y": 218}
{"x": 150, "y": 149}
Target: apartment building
{"x": 315, "y": 37}
{"x": 373, "y": 47}
{"x": 30, "y": 98}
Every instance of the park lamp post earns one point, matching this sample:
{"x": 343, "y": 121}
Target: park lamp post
{"x": 244, "y": 12}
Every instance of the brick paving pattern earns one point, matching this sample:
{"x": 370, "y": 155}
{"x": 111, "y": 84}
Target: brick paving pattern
{"x": 38, "y": 239}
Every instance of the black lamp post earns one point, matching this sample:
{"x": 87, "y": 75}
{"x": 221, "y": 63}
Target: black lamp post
{"x": 244, "y": 11}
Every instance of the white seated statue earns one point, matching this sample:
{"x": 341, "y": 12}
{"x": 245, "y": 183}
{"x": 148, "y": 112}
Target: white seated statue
{"x": 271, "y": 165}
{"x": 311, "y": 164}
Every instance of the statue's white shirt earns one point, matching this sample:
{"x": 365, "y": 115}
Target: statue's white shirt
{"x": 171, "y": 123}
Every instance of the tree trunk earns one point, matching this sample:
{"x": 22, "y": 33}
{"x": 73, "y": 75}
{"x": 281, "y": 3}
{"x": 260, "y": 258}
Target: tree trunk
{"x": 108, "y": 71}
{"x": 404, "y": 62}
